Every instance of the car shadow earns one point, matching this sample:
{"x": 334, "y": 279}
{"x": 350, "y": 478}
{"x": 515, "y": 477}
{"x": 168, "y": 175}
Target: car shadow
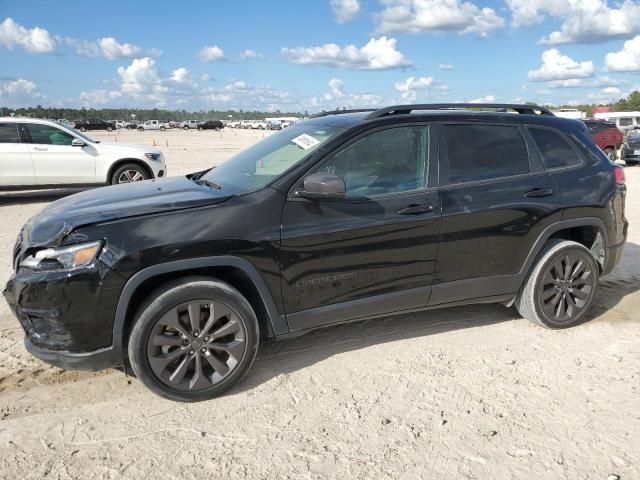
{"x": 287, "y": 356}
{"x": 36, "y": 196}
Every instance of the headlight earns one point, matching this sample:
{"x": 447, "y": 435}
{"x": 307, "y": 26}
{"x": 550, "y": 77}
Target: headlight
{"x": 63, "y": 258}
{"x": 153, "y": 156}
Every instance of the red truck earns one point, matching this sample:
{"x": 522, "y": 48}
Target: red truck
{"x": 606, "y": 135}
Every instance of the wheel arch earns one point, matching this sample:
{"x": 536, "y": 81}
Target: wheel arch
{"x": 588, "y": 231}
{"x": 118, "y": 163}
{"x": 238, "y": 272}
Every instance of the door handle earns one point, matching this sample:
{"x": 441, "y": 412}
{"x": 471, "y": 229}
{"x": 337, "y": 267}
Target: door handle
{"x": 40, "y": 149}
{"x": 539, "y": 193}
{"x": 416, "y": 210}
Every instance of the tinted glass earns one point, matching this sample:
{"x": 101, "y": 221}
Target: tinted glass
{"x": 481, "y": 152}
{"x": 625, "y": 122}
{"x": 556, "y": 151}
{"x": 48, "y": 135}
{"x": 388, "y": 161}
{"x": 9, "y": 133}
{"x": 592, "y": 127}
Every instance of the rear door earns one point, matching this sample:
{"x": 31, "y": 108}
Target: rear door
{"x": 373, "y": 252}
{"x": 16, "y": 167}
{"x": 55, "y": 160}
{"x": 496, "y": 201}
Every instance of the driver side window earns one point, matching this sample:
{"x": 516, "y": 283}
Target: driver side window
{"x": 384, "y": 162}
{"x": 48, "y": 135}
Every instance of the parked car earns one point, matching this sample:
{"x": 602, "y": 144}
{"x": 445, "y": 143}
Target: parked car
{"x": 131, "y": 125}
{"x": 606, "y": 135}
{"x": 211, "y": 125}
{"x": 259, "y": 125}
{"x": 344, "y": 217}
{"x": 152, "y": 125}
{"x": 234, "y": 124}
{"x": 246, "y": 124}
{"x": 41, "y": 154}
{"x": 94, "y": 124}
{"x": 189, "y": 124}
{"x": 274, "y": 125}
{"x": 630, "y": 152}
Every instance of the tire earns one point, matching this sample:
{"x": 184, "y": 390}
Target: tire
{"x": 162, "y": 129}
{"x": 611, "y": 153}
{"x": 140, "y": 129}
{"x": 197, "y": 370}
{"x": 135, "y": 172}
{"x": 631, "y": 163}
{"x": 109, "y": 129}
{"x": 186, "y": 127}
{"x": 83, "y": 129}
{"x": 200, "y": 129}
{"x": 549, "y": 274}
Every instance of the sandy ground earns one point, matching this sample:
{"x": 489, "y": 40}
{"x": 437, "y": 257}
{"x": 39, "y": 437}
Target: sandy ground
{"x": 471, "y": 392}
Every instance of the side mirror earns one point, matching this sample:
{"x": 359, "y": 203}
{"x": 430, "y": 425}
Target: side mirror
{"x": 323, "y": 186}
{"x": 76, "y": 142}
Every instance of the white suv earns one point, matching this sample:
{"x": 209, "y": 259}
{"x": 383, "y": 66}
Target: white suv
{"x": 40, "y": 153}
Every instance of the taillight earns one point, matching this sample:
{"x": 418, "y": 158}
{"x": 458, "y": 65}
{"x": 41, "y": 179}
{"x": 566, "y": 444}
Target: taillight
{"x": 618, "y": 172}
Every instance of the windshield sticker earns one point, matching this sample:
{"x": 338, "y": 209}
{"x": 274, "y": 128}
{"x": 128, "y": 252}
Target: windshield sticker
{"x": 305, "y": 141}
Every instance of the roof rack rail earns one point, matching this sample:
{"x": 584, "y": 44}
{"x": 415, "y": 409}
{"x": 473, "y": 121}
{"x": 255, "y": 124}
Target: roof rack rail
{"x": 406, "y": 109}
{"x": 339, "y": 112}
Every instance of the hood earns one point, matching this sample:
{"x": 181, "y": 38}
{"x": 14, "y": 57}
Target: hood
{"x": 53, "y": 223}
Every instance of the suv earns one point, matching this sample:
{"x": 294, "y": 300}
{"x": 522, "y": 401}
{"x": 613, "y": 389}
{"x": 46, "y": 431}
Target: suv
{"x": 606, "y": 135}
{"x": 630, "y": 152}
{"x": 343, "y": 217}
{"x": 211, "y": 125}
{"x": 94, "y": 124}
{"x": 189, "y": 124}
{"x": 44, "y": 154}
{"x": 152, "y": 125}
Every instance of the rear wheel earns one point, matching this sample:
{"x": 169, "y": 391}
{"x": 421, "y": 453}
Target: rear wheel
{"x": 611, "y": 153}
{"x": 561, "y": 287}
{"x": 186, "y": 127}
{"x": 200, "y": 129}
{"x": 129, "y": 173}
{"x": 162, "y": 129}
{"x": 83, "y": 129}
{"x": 140, "y": 129}
{"x": 194, "y": 339}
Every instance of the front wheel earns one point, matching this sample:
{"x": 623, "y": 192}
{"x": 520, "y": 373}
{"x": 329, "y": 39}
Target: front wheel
{"x": 109, "y": 129}
{"x": 193, "y": 339}
{"x": 140, "y": 129}
{"x": 185, "y": 128}
{"x": 561, "y": 287}
{"x": 128, "y": 173}
{"x": 162, "y": 129}
{"x": 83, "y": 129}
{"x": 200, "y": 129}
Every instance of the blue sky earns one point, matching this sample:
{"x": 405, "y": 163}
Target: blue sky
{"x": 314, "y": 54}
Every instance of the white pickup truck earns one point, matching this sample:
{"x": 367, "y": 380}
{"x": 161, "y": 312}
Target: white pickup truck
{"x": 187, "y": 124}
{"x": 152, "y": 125}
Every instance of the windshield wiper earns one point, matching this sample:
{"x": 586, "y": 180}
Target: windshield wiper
{"x": 208, "y": 183}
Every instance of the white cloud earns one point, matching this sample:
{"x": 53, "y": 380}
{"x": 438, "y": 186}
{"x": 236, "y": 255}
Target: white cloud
{"x": 250, "y": 55}
{"x": 418, "y": 16}
{"x": 485, "y": 99}
{"x": 211, "y": 54}
{"x": 583, "y": 21}
{"x": 378, "y": 54}
{"x": 205, "y": 77}
{"x": 445, "y": 66}
{"x": 408, "y": 88}
{"x": 337, "y": 97}
{"x": 33, "y": 40}
{"x": 180, "y": 75}
{"x": 345, "y": 10}
{"x": 99, "y": 97}
{"x": 580, "y": 83}
{"x": 337, "y": 89}
{"x": 557, "y": 66}
{"x": 141, "y": 77}
{"x": 615, "y": 91}
{"x": 109, "y": 48}
{"x": 625, "y": 60}
{"x": 19, "y": 93}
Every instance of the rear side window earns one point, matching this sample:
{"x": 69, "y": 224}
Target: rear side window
{"x": 9, "y": 133}
{"x": 626, "y": 121}
{"x": 555, "y": 150}
{"x": 481, "y": 152}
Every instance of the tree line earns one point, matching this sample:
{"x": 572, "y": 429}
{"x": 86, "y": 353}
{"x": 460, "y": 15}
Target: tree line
{"x": 630, "y": 103}
{"x": 142, "y": 114}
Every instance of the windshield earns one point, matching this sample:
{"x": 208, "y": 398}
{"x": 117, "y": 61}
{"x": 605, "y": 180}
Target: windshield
{"x": 262, "y": 163}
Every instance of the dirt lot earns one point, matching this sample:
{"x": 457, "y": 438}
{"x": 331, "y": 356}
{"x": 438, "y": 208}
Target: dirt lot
{"x": 471, "y": 392}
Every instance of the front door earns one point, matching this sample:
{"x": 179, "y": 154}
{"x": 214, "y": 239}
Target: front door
{"x": 373, "y": 252}
{"x": 55, "y": 160}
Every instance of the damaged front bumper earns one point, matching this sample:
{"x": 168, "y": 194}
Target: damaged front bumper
{"x": 67, "y": 316}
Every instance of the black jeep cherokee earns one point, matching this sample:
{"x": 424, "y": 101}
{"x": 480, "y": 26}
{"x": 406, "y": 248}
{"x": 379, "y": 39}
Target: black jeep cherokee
{"x": 346, "y": 216}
